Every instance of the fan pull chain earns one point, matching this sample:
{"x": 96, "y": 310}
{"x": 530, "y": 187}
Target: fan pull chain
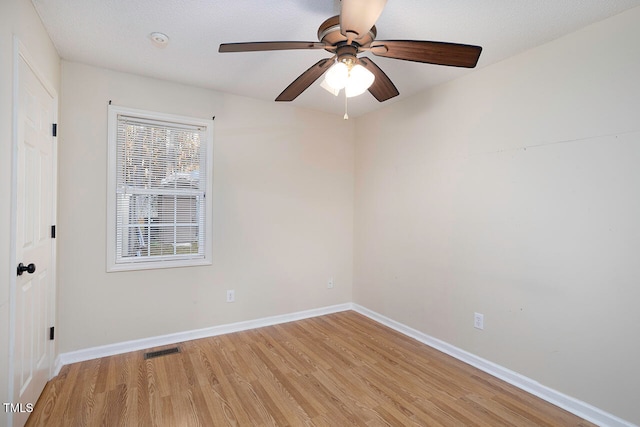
{"x": 346, "y": 113}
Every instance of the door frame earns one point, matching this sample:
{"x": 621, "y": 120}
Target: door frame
{"x": 20, "y": 52}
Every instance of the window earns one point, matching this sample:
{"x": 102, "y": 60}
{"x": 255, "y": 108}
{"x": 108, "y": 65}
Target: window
{"x": 159, "y": 212}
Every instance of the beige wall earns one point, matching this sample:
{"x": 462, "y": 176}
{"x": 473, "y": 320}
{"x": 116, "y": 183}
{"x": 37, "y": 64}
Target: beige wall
{"x": 283, "y": 214}
{"x": 17, "y": 18}
{"x": 515, "y": 192}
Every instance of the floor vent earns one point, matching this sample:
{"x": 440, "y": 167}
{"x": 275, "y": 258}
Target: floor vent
{"x": 159, "y": 353}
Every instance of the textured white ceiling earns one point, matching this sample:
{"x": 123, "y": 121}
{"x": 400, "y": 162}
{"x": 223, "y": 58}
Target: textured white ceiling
{"x": 114, "y": 34}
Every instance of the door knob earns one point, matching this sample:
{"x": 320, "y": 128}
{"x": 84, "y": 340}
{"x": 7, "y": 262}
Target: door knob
{"x": 31, "y": 268}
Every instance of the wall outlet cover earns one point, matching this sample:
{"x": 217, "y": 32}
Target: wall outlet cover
{"x": 478, "y": 320}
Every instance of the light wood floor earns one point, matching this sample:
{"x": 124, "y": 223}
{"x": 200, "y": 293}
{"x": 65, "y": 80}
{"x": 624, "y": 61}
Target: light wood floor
{"x": 335, "y": 370}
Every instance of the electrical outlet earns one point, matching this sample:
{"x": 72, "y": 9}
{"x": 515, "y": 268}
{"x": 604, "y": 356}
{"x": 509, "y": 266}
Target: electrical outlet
{"x": 231, "y": 295}
{"x": 478, "y": 320}
{"x": 330, "y": 283}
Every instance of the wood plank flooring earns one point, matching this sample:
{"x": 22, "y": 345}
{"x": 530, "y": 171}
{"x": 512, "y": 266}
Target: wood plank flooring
{"x": 335, "y": 370}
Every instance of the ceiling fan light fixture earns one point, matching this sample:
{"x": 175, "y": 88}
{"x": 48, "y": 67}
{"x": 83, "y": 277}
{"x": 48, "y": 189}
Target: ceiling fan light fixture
{"x": 354, "y": 79}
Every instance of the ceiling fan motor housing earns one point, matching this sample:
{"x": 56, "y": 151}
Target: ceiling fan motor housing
{"x": 329, "y": 34}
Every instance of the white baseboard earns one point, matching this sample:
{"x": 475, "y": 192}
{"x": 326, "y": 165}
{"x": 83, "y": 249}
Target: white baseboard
{"x": 144, "y": 343}
{"x": 568, "y": 403}
{"x": 575, "y": 406}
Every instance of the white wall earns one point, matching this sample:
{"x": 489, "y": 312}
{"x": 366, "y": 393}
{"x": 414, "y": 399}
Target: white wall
{"x": 283, "y": 214}
{"x": 515, "y": 192}
{"x": 17, "y": 18}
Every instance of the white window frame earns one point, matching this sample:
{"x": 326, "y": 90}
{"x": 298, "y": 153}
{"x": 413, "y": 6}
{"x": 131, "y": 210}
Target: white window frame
{"x": 113, "y": 264}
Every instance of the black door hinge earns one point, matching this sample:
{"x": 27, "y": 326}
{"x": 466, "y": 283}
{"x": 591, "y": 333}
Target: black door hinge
{"x": 53, "y": 231}
{"x": 51, "y": 332}
{"x": 54, "y": 129}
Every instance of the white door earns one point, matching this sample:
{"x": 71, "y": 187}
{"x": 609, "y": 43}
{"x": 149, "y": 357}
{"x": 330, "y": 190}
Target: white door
{"x": 34, "y": 248}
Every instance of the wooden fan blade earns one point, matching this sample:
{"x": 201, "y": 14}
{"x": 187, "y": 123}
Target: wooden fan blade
{"x": 358, "y": 16}
{"x": 382, "y": 87}
{"x": 305, "y": 80}
{"x": 262, "y": 46}
{"x": 440, "y": 53}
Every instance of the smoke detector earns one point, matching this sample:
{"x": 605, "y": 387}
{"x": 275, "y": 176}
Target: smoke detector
{"x": 159, "y": 39}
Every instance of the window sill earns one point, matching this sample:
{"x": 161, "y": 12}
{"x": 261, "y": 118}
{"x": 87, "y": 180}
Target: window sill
{"x": 155, "y": 265}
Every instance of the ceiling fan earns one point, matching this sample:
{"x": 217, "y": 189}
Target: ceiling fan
{"x": 354, "y": 32}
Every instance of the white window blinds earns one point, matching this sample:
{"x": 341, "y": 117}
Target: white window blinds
{"x": 160, "y": 190}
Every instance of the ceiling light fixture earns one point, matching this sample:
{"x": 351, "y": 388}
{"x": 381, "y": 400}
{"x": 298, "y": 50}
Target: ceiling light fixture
{"x": 159, "y": 39}
{"x": 346, "y": 74}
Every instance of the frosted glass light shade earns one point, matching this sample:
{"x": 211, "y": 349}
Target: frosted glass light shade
{"x": 324, "y": 85}
{"x": 337, "y": 75}
{"x": 360, "y": 79}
